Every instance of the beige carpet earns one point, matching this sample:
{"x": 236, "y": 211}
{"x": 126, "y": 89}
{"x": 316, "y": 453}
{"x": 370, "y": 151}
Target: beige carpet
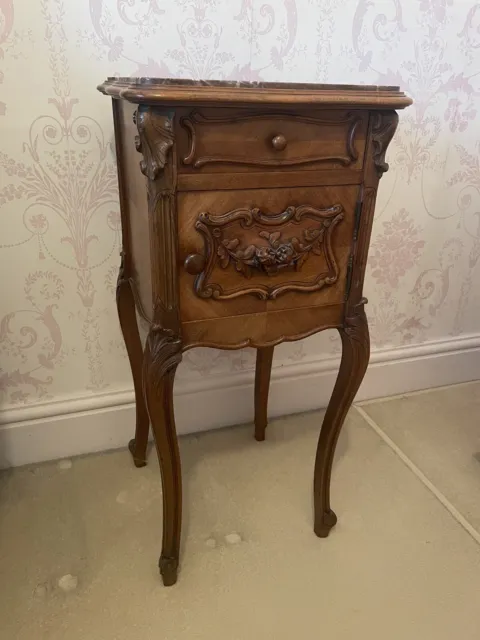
{"x": 398, "y": 566}
{"x": 440, "y": 433}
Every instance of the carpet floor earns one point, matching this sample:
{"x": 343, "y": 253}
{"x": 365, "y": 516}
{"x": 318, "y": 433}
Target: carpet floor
{"x": 80, "y": 538}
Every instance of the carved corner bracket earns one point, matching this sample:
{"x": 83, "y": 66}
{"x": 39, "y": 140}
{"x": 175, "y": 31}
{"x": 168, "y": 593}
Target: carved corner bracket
{"x": 384, "y": 126}
{"x": 154, "y": 140}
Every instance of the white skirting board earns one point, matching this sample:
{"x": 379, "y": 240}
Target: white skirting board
{"x": 106, "y": 421}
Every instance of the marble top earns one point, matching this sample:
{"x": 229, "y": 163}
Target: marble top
{"x": 178, "y": 90}
{"x": 232, "y": 84}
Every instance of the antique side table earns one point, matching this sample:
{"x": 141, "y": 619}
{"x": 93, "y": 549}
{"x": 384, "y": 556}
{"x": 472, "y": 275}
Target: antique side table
{"x": 249, "y": 226}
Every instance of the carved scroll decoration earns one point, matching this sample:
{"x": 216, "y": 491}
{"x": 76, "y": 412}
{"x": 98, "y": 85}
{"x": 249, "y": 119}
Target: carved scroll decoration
{"x": 273, "y": 255}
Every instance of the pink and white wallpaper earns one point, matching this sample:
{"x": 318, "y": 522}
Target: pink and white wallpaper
{"x": 59, "y": 213}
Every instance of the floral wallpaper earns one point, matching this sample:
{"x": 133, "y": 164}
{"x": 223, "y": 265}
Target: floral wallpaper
{"x": 59, "y": 213}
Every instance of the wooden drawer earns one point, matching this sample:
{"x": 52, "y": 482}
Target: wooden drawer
{"x": 258, "y": 250}
{"x": 226, "y": 140}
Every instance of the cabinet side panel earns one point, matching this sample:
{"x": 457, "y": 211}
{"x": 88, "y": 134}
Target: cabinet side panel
{"x": 133, "y": 198}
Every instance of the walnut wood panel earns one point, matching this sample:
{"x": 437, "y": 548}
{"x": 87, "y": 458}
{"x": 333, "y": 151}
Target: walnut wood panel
{"x": 261, "y": 329}
{"x": 134, "y": 211}
{"x": 266, "y": 180}
{"x": 155, "y": 143}
{"x": 222, "y": 140}
{"x": 282, "y": 248}
{"x": 274, "y": 247}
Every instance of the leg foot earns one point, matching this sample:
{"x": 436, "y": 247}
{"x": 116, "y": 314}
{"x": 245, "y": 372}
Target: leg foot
{"x": 163, "y": 353}
{"x": 355, "y": 355}
{"x": 168, "y": 570}
{"x": 263, "y": 371}
{"x": 325, "y": 524}
{"x": 139, "y": 460}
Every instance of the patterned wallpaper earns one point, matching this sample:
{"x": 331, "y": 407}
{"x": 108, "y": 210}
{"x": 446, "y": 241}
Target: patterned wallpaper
{"x": 59, "y": 214}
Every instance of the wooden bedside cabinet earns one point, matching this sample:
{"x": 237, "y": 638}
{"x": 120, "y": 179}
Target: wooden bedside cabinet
{"x": 249, "y": 226}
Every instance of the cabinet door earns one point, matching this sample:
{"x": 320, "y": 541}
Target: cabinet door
{"x": 258, "y": 250}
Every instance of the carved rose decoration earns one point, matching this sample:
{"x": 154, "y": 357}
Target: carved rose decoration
{"x": 274, "y": 256}
{"x": 268, "y": 249}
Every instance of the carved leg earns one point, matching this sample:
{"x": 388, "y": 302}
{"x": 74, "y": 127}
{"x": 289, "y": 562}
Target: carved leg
{"x": 355, "y": 355}
{"x": 128, "y": 324}
{"x": 163, "y": 353}
{"x": 262, "y": 383}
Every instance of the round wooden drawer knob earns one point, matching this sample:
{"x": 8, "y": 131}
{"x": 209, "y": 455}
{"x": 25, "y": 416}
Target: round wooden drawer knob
{"x": 279, "y": 142}
{"x": 194, "y": 264}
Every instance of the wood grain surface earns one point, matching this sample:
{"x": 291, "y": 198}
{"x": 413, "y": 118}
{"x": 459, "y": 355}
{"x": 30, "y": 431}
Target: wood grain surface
{"x": 234, "y": 291}
{"x": 242, "y": 140}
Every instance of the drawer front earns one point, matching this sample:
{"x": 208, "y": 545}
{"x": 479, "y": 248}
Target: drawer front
{"x": 213, "y": 140}
{"x": 258, "y": 250}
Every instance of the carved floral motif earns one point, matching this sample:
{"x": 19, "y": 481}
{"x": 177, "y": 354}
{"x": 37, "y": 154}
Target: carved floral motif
{"x": 275, "y": 255}
{"x": 271, "y": 257}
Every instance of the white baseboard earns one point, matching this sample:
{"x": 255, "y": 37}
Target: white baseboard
{"x": 106, "y": 421}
